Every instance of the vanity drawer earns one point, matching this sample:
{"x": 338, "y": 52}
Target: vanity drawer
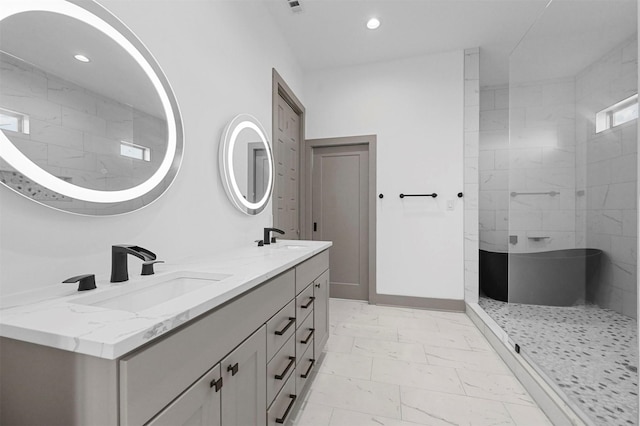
{"x": 304, "y": 303}
{"x": 280, "y": 368}
{"x": 280, "y": 328}
{"x": 150, "y": 378}
{"x": 311, "y": 269}
{"x": 305, "y": 368}
{"x": 282, "y": 407}
{"x": 304, "y": 336}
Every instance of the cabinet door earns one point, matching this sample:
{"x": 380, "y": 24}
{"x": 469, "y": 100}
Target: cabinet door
{"x": 244, "y": 372}
{"x": 321, "y": 312}
{"x": 197, "y": 406}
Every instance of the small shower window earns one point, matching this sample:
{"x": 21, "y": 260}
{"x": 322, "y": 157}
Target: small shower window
{"x": 137, "y": 152}
{"x": 14, "y": 121}
{"x": 620, "y": 113}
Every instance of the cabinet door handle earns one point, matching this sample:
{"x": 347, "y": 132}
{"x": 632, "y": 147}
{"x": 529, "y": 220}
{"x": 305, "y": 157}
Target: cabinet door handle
{"x": 286, "y": 413}
{"x": 311, "y": 299}
{"x": 318, "y": 285}
{"x": 306, "y": 373}
{"x": 292, "y": 361}
{"x": 292, "y": 320}
{"x": 305, "y": 341}
{"x": 216, "y": 384}
{"x": 233, "y": 368}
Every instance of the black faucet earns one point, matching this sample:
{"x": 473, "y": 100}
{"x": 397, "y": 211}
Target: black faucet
{"x": 119, "y": 266}
{"x": 267, "y": 237}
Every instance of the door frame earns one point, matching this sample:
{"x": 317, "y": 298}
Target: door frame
{"x": 279, "y": 88}
{"x": 306, "y": 208}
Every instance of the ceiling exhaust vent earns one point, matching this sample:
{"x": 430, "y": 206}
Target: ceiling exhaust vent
{"x": 295, "y": 6}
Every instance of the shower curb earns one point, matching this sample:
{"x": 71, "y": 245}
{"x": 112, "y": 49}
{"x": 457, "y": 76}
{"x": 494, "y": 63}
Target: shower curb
{"x": 559, "y": 411}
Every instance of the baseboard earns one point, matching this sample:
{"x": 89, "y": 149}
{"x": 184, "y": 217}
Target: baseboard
{"x": 559, "y": 411}
{"x": 451, "y": 305}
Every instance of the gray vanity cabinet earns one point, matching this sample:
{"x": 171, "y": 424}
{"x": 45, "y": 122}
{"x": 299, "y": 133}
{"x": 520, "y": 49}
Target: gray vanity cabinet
{"x": 242, "y": 363}
{"x": 200, "y": 405}
{"x": 244, "y": 375}
{"x": 321, "y": 311}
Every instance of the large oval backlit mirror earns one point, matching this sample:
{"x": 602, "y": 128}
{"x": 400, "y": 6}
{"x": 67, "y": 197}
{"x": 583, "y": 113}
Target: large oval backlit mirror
{"x": 89, "y": 122}
{"x": 246, "y": 164}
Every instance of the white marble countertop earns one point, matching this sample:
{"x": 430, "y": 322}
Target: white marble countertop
{"x": 61, "y": 317}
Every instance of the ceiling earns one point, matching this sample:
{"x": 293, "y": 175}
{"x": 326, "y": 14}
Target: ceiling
{"x": 332, "y": 33}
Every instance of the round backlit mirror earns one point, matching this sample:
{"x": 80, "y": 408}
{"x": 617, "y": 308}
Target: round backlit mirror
{"x": 246, "y": 164}
{"x": 89, "y": 122}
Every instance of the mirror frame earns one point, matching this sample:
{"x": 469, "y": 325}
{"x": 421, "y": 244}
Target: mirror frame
{"x": 225, "y": 158}
{"x": 102, "y": 20}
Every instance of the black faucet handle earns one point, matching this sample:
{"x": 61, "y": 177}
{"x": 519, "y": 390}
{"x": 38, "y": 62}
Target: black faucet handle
{"x": 260, "y": 243}
{"x": 279, "y": 231}
{"x": 147, "y": 267}
{"x": 85, "y": 282}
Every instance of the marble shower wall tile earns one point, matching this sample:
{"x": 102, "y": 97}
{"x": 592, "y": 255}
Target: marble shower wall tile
{"x": 80, "y": 130}
{"x": 472, "y": 118}
{"x": 611, "y": 175}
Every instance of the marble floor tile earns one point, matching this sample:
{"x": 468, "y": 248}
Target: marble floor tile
{"x": 359, "y": 395}
{"x": 417, "y": 375}
{"x": 459, "y": 325}
{"x": 441, "y": 372}
{"x": 355, "y": 318}
{"x": 499, "y": 387}
{"x": 523, "y": 415}
{"x": 347, "y": 365}
{"x": 433, "y": 338}
{"x": 389, "y": 350}
{"x": 389, "y": 311}
{"x": 442, "y": 409}
{"x": 342, "y": 344}
{"x": 352, "y": 418}
{"x": 478, "y": 342}
{"x": 471, "y": 360}
{"x": 366, "y": 331}
{"x": 408, "y": 323}
{"x": 311, "y": 414}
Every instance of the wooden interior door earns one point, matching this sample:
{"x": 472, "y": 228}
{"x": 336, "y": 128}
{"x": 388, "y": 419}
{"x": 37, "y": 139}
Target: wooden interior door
{"x": 340, "y": 213}
{"x": 286, "y": 153}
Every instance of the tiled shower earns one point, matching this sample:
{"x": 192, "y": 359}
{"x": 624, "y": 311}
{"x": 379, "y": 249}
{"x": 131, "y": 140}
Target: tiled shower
{"x": 550, "y": 182}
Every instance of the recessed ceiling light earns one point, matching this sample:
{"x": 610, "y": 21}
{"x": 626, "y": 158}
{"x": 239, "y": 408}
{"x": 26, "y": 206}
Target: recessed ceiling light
{"x": 373, "y": 23}
{"x": 82, "y": 58}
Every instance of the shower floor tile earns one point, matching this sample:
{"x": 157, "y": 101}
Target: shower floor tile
{"x": 589, "y": 352}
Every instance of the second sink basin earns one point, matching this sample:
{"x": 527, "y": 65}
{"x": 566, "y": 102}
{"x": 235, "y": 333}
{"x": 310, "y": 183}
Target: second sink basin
{"x": 152, "y": 294}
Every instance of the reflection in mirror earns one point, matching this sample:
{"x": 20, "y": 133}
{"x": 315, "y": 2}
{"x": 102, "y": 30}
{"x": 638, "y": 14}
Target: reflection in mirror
{"x": 251, "y": 165}
{"x": 246, "y": 164}
{"x": 89, "y": 123}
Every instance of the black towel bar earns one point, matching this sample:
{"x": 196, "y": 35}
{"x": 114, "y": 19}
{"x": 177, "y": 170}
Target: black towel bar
{"x": 434, "y": 195}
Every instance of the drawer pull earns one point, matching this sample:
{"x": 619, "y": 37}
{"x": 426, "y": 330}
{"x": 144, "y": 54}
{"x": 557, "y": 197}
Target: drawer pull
{"x": 305, "y": 341}
{"x": 311, "y": 299}
{"x": 292, "y": 361}
{"x": 233, "y": 368}
{"x": 306, "y": 373}
{"x": 286, "y": 413}
{"x": 292, "y": 321}
{"x": 216, "y": 384}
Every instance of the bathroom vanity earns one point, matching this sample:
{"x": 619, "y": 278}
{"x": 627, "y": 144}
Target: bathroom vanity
{"x": 232, "y": 340}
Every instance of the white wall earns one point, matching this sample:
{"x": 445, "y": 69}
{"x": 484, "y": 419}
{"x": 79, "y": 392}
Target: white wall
{"x": 415, "y": 107}
{"x": 218, "y": 57}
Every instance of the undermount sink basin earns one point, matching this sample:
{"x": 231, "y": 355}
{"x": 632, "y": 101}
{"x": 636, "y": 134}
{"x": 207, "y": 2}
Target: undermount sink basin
{"x": 139, "y": 299}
